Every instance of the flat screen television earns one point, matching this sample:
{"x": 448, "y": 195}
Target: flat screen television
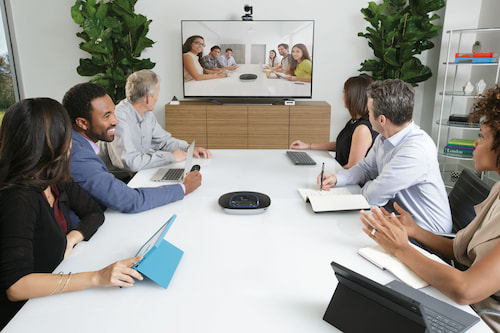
{"x": 251, "y": 43}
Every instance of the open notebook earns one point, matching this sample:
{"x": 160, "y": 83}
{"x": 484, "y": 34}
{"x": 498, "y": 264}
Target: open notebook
{"x": 384, "y": 260}
{"x": 336, "y": 199}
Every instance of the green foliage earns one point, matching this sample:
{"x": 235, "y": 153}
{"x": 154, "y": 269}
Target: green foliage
{"x": 7, "y": 97}
{"x": 115, "y": 37}
{"x": 400, "y": 30}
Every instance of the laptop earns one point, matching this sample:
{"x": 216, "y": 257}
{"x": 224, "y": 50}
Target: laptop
{"x": 160, "y": 258}
{"x": 175, "y": 174}
{"x": 360, "y": 304}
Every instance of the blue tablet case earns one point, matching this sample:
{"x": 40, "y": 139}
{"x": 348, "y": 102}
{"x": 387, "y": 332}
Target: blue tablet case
{"x": 161, "y": 258}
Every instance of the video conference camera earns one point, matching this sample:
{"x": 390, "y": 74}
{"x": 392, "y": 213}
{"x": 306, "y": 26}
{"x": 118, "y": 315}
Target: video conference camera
{"x": 248, "y": 13}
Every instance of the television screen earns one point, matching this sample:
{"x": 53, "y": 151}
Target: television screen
{"x": 247, "y": 59}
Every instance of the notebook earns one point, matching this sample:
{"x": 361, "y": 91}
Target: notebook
{"x": 336, "y": 199}
{"x": 160, "y": 258}
{"x": 384, "y": 260}
{"x": 362, "y": 305}
{"x": 175, "y": 174}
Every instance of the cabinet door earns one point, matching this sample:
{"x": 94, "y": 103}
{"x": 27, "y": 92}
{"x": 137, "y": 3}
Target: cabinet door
{"x": 310, "y": 123}
{"x": 187, "y": 122}
{"x": 268, "y": 126}
{"x": 227, "y": 126}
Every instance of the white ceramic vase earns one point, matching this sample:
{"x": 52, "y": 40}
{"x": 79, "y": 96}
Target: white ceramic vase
{"x": 468, "y": 88}
{"x": 480, "y": 86}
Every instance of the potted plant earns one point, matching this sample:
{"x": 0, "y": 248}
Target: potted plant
{"x": 400, "y": 30}
{"x": 476, "y": 47}
{"x": 115, "y": 37}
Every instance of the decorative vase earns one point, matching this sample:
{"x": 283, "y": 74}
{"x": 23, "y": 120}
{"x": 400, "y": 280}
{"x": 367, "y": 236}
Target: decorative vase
{"x": 468, "y": 88}
{"x": 476, "y": 48}
{"x": 480, "y": 86}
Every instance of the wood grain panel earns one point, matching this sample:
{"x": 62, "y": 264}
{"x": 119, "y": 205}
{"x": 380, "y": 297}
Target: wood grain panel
{"x": 268, "y": 126}
{"x": 227, "y": 126}
{"x": 187, "y": 122}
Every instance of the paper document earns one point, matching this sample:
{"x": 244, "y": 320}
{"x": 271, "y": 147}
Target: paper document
{"x": 336, "y": 199}
{"x": 384, "y": 260}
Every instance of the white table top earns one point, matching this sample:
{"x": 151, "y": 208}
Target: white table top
{"x": 261, "y": 87}
{"x": 239, "y": 273}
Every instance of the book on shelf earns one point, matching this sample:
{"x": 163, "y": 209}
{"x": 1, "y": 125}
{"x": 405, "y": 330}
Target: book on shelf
{"x": 460, "y": 147}
{"x": 459, "y": 118}
{"x": 384, "y": 260}
{"x": 476, "y": 55}
{"x": 485, "y": 60}
{"x": 337, "y": 199}
{"x": 461, "y": 142}
{"x": 455, "y": 151}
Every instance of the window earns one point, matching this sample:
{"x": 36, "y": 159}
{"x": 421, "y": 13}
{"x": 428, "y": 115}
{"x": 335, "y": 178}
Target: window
{"x": 9, "y": 92}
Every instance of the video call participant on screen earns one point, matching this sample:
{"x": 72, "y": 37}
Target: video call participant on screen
{"x": 285, "y": 58}
{"x": 93, "y": 118}
{"x": 227, "y": 59}
{"x": 140, "y": 142}
{"x": 402, "y": 165}
{"x": 192, "y": 52}
{"x": 300, "y": 64}
{"x": 211, "y": 64}
{"x": 36, "y": 195}
{"x": 476, "y": 246}
{"x": 357, "y": 136}
{"x": 273, "y": 60}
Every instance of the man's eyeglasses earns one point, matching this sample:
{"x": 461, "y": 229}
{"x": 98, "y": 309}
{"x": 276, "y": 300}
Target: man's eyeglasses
{"x": 199, "y": 43}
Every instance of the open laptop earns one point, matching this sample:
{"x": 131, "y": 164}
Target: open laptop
{"x": 360, "y": 304}
{"x": 175, "y": 174}
{"x": 160, "y": 258}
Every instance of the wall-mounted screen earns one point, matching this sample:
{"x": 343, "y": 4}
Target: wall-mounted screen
{"x": 248, "y": 59}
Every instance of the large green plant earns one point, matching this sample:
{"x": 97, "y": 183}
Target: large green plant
{"x": 115, "y": 37}
{"x": 400, "y": 30}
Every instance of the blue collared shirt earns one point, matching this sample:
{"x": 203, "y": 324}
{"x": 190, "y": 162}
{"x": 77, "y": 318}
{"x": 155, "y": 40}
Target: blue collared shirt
{"x": 404, "y": 167}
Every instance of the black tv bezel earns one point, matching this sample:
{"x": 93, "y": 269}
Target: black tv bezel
{"x": 250, "y": 99}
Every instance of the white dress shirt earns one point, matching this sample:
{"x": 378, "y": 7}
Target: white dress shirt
{"x": 404, "y": 167}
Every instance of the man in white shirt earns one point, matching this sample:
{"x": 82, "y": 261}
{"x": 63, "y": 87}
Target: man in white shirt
{"x": 402, "y": 165}
{"x": 227, "y": 59}
{"x": 140, "y": 142}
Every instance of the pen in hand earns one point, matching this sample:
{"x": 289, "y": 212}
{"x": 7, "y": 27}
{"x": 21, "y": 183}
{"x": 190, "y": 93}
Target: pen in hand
{"x": 322, "y": 171}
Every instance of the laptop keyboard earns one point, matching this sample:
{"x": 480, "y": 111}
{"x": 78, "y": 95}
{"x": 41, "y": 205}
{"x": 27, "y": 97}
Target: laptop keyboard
{"x": 173, "y": 174}
{"x": 300, "y": 158}
{"x": 438, "y": 323}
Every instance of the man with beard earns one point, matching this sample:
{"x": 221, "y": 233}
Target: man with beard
{"x": 92, "y": 113}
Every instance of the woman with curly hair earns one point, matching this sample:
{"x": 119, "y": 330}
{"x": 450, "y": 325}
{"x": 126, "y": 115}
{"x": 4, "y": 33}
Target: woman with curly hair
{"x": 476, "y": 246}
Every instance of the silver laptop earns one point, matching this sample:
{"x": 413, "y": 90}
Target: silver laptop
{"x": 175, "y": 174}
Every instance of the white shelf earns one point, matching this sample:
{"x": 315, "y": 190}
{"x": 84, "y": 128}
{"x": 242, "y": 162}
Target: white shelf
{"x": 467, "y": 126}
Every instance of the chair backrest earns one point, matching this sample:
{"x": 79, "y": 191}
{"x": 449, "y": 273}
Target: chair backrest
{"x": 469, "y": 190}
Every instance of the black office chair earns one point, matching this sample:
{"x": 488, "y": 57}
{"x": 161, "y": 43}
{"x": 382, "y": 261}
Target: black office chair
{"x": 469, "y": 190}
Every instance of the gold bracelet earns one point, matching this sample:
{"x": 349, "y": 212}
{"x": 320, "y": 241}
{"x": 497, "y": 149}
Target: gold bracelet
{"x": 57, "y": 287}
{"x": 66, "y": 283}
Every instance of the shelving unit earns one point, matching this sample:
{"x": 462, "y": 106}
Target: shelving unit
{"x": 455, "y": 101}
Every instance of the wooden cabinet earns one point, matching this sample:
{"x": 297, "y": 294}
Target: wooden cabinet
{"x": 248, "y": 126}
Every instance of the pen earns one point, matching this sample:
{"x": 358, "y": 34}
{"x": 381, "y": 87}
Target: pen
{"x": 322, "y": 171}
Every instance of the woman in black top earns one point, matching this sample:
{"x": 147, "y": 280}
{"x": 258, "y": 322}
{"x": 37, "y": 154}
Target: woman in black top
{"x": 36, "y": 195}
{"x": 356, "y": 138}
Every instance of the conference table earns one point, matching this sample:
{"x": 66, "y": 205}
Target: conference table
{"x": 268, "y": 272}
{"x": 262, "y": 86}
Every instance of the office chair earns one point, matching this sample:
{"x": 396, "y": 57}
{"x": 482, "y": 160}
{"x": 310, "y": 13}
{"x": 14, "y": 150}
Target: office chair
{"x": 469, "y": 190}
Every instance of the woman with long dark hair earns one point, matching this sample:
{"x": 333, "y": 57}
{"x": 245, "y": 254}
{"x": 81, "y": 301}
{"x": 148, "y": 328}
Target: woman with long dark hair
{"x": 36, "y": 196}
{"x": 192, "y": 60}
{"x": 300, "y": 64}
{"x": 357, "y": 136}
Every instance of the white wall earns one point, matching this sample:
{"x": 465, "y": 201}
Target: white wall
{"x": 49, "y": 54}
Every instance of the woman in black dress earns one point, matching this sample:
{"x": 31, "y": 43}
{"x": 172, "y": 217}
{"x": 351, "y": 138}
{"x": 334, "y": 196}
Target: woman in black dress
{"x": 36, "y": 195}
{"x": 356, "y": 138}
